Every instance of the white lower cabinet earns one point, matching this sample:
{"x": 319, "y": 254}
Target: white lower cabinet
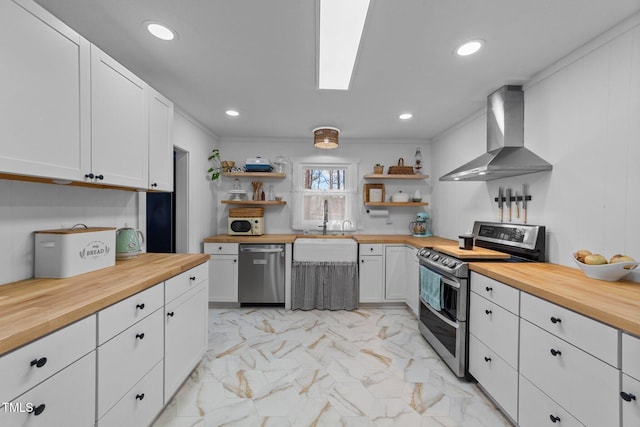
{"x": 125, "y": 359}
{"x": 536, "y": 409}
{"x": 140, "y": 404}
{"x": 371, "y": 273}
{"x": 630, "y": 392}
{"x": 495, "y": 375}
{"x": 223, "y": 271}
{"x": 185, "y": 327}
{"x": 66, "y": 399}
{"x": 412, "y": 280}
{"x": 394, "y": 273}
{"x": 570, "y": 376}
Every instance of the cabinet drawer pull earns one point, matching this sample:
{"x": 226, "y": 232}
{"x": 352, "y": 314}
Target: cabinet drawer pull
{"x": 140, "y": 396}
{"x": 555, "y": 320}
{"x": 155, "y": 184}
{"x": 555, "y": 352}
{"x": 37, "y": 410}
{"x": 554, "y": 419}
{"x": 192, "y": 278}
{"x": 219, "y": 248}
{"x": 39, "y": 363}
{"x": 140, "y": 336}
{"x": 487, "y": 312}
{"x": 489, "y": 289}
{"x": 100, "y": 177}
{"x": 627, "y": 397}
{"x": 140, "y": 306}
{"x": 170, "y": 314}
{"x": 89, "y": 175}
{"x": 487, "y": 359}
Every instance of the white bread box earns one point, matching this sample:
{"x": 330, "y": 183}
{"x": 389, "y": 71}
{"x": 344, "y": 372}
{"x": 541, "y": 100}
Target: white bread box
{"x": 68, "y": 252}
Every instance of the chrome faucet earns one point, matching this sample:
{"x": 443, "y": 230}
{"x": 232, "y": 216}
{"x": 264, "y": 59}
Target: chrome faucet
{"x": 344, "y": 222}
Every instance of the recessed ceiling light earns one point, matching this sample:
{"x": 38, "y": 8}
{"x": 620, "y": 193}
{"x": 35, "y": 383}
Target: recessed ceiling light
{"x": 341, "y": 25}
{"x": 232, "y": 113}
{"x": 469, "y": 48}
{"x": 405, "y": 116}
{"x": 161, "y": 31}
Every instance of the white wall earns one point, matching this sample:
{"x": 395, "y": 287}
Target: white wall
{"x": 583, "y": 117}
{"x": 365, "y": 152}
{"x": 195, "y": 139}
{"x": 26, "y": 207}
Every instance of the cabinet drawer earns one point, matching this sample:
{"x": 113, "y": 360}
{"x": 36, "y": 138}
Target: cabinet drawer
{"x": 536, "y": 409}
{"x": 118, "y": 317}
{"x": 19, "y": 369}
{"x": 181, "y": 283}
{"x": 503, "y": 295}
{"x": 495, "y": 375}
{"x": 631, "y": 355}
{"x": 572, "y": 378}
{"x": 221, "y": 248}
{"x": 66, "y": 399}
{"x": 496, "y": 327}
{"x": 127, "y": 358}
{"x": 375, "y": 249}
{"x": 587, "y": 334}
{"x": 630, "y": 408}
{"x": 140, "y": 405}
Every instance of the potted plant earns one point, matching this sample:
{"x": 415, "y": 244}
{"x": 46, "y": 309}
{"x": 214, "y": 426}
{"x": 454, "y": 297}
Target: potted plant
{"x": 378, "y": 169}
{"x": 216, "y": 169}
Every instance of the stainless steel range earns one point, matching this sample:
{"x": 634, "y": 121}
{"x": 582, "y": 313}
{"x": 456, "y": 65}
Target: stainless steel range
{"x": 444, "y": 284}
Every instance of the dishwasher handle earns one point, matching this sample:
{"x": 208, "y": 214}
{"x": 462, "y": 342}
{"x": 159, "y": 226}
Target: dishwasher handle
{"x": 263, "y": 250}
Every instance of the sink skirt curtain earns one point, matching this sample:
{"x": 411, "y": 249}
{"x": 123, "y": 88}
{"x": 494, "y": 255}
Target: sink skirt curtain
{"x": 324, "y": 285}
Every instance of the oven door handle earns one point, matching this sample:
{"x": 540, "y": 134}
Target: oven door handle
{"x": 444, "y": 279}
{"x": 439, "y": 315}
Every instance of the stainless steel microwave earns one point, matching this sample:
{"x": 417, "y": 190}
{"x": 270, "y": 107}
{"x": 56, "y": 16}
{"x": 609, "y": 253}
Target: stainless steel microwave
{"x": 246, "y": 226}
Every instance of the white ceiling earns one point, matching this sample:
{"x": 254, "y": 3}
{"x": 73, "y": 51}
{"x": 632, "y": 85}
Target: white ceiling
{"x": 259, "y": 57}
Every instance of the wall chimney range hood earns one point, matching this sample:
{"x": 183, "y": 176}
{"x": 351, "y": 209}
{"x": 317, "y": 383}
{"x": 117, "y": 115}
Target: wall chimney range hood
{"x": 506, "y": 155}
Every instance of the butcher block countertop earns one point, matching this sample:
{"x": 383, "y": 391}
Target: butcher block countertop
{"x": 614, "y": 303}
{"x": 30, "y": 309}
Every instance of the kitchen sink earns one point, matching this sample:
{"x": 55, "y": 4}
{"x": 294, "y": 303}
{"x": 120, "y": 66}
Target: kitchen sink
{"x": 325, "y": 250}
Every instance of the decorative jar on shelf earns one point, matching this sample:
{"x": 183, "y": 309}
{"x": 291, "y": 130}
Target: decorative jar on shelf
{"x": 378, "y": 169}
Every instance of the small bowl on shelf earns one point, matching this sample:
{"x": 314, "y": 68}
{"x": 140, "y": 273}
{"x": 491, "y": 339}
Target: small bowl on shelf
{"x": 609, "y": 272}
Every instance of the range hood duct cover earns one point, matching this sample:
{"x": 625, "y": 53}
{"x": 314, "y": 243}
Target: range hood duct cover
{"x": 506, "y": 155}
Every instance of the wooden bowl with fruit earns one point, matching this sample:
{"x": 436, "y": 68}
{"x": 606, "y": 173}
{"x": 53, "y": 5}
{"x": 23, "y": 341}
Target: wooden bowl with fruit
{"x": 597, "y": 266}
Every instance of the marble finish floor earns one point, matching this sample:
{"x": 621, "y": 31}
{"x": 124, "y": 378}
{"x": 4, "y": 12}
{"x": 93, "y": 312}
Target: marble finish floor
{"x": 370, "y": 367}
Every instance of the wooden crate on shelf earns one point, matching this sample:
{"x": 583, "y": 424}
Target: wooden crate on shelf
{"x": 246, "y": 213}
{"x": 367, "y": 187}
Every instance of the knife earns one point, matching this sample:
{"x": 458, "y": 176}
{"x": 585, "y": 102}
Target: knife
{"x": 500, "y": 204}
{"x": 517, "y": 206}
{"x": 509, "y": 204}
{"x": 524, "y": 205}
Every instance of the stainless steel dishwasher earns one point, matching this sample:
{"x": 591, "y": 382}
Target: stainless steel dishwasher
{"x": 261, "y": 274}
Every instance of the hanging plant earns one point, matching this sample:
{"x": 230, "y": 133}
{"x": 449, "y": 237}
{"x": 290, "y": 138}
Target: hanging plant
{"x": 216, "y": 169}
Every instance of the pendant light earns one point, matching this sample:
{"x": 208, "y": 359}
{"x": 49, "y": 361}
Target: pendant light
{"x": 326, "y": 137}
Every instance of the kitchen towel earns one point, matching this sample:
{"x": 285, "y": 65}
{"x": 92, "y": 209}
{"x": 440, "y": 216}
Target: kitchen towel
{"x": 431, "y": 288}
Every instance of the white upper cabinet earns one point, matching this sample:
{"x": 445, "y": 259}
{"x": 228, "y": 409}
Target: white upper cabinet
{"x": 44, "y": 81}
{"x": 119, "y": 124}
{"x": 160, "y": 144}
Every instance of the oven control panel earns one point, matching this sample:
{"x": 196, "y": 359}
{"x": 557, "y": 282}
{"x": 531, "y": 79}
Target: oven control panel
{"x": 439, "y": 261}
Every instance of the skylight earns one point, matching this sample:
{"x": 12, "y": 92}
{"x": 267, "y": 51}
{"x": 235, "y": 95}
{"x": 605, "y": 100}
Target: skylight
{"x": 341, "y": 25}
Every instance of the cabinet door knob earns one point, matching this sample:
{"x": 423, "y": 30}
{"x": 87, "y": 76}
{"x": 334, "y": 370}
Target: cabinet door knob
{"x": 39, "y": 363}
{"x": 155, "y": 184}
{"x": 140, "y": 396}
{"x": 89, "y": 175}
{"x": 555, "y": 320}
{"x": 192, "y": 278}
{"x": 235, "y": 260}
{"x": 37, "y": 410}
{"x": 362, "y": 261}
{"x": 488, "y": 312}
{"x": 140, "y": 336}
{"x": 219, "y": 248}
{"x": 170, "y": 314}
{"x": 555, "y": 352}
{"x": 100, "y": 177}
{"x": 627, "y": 397}
{"x": 487, "y": 359}
{"x": 554, "y": 419}
{"x": 488, "y": 288}
{"x": 140, "y": 306}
